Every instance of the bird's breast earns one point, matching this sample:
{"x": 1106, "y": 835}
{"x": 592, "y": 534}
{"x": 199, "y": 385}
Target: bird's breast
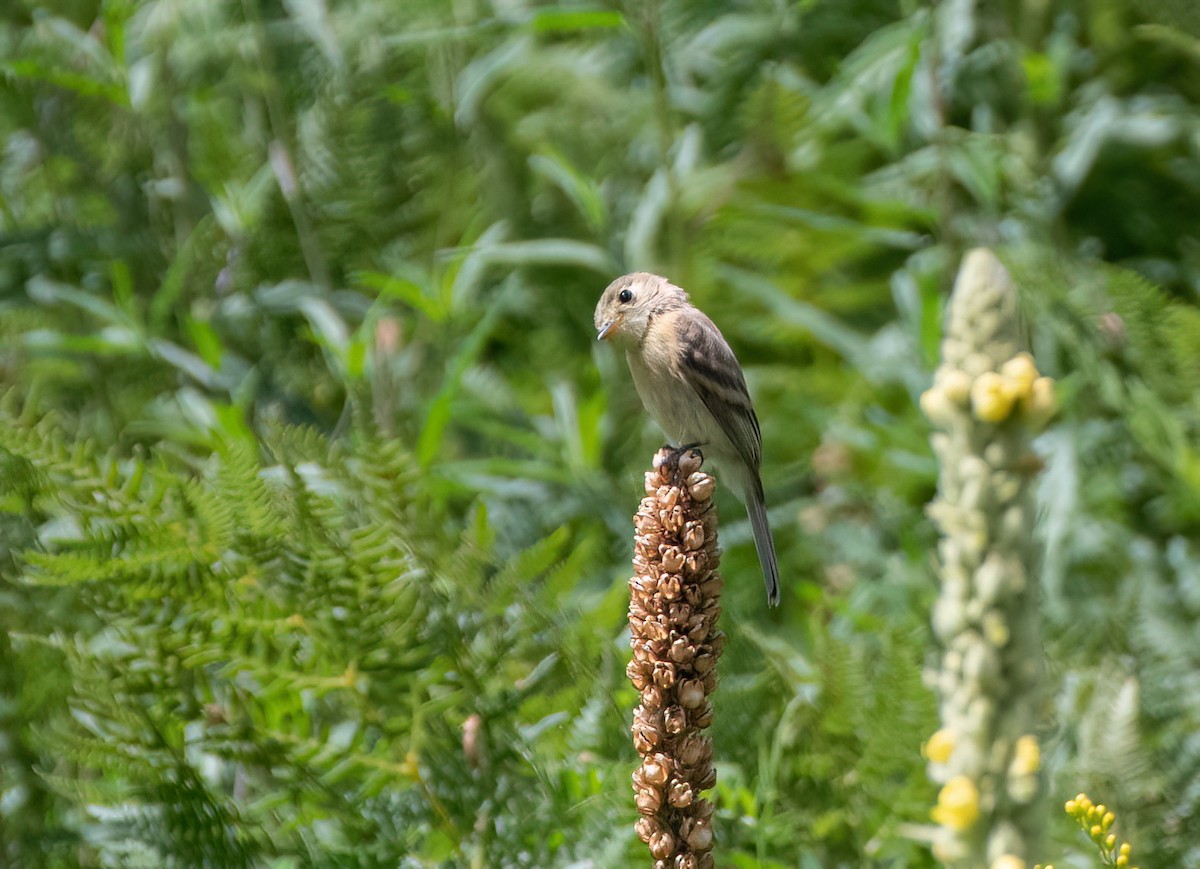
{"x": 673, "y": 404}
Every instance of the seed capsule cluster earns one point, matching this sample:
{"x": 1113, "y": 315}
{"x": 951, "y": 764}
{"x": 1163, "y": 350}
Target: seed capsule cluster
{"x": 674, "y": 603}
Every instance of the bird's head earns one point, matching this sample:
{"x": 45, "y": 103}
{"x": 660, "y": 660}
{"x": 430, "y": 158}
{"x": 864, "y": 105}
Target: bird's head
{"x": 630, "y": 303}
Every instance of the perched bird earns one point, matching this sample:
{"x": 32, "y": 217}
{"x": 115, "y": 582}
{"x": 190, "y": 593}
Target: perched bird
{"x": 691, "y": 384}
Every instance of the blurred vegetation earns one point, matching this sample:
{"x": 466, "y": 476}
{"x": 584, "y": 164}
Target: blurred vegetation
{"x": 315, "y": 490}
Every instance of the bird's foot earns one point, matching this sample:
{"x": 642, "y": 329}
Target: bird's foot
{"x": 687, "y": 457}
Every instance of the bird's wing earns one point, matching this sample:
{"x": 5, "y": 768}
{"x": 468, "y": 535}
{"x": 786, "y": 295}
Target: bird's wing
{"x": 712, "y": 371}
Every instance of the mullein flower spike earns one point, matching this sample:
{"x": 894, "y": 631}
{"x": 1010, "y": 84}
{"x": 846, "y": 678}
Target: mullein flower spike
{"x": 674, "y": 603}
{"x": 986, "y": 403}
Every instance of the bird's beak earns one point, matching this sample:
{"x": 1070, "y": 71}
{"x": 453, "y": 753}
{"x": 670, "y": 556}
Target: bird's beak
{"x": 607, "y": 328}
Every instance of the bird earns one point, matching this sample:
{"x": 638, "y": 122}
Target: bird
{"x": 691, "y": 384}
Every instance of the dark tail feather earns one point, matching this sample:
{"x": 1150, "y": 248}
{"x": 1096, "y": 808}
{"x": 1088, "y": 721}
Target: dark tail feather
{"x": 757, "y": 512}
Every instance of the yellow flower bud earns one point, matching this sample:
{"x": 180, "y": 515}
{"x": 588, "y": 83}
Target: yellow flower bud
{"x": 1039, "y": 404}
{"x": 411, "y": 767}
{"x": 1027, "y": 757}
{"x": 947, "y": 850}
{"x": 937, "y": 408}
{"x": 958, "y": 804}
{"x": 1007, "y": 861}
{"x": 1107, "y": 820}
{"x": 1122, "y": 862}
{"x": 1125, "y": 849}
{"x": 940, "y": 746}
{"x": 995, "y": 629}
{"x": 1021, "y": 372}
{"x": 1110, "y": 841}
{"x": 956, "y": 385}
{"x": 991, "y": 397}
{"x": 1072, "y": 807}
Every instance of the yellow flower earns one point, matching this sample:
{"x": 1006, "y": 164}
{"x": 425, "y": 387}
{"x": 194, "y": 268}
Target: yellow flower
{"x": 992, "y": 397}
{"x": 956, "y": 385}
{"x": 995, "y": 630}
{"x": 411, "y": 767}
{"x": 940, "y": 746}
{"x": 958, "y": 804}
{"x": 1027, "y": 757}
{"x": 1021, "y": 373}
{"x": 1039, "y": 404}
{"x": 1008, "y": 861}
{"x": 938, "y": 409}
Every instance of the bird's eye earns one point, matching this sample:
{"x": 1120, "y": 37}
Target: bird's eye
{"x": 625, "y": 297}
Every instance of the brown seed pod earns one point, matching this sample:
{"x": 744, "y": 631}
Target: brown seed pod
{"x": 674, "y": 720}
{"x": 680, "y": 794}
{"x": 689, "y": 463}
{"x": 664, "y": 674}
{"x": 670, "y": 586}
{"x": 700, "y": 837}
{"x": 662, "y": 845}
{"x": 691, "y": 693}
{"x": 701, "y": 486}
{"x": 682, "y": 651}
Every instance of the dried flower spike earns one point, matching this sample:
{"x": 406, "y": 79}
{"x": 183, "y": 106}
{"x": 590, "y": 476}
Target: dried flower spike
{"x": 674, "y": 603}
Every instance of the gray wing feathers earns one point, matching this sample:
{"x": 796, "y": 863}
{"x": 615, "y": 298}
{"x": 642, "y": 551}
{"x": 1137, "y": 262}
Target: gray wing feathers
{"x": 713, "y": 372}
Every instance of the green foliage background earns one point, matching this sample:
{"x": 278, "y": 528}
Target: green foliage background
{"x": 315, "y": 489}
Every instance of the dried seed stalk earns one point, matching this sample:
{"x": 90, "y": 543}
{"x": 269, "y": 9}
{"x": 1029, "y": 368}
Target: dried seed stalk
{"x": 674, "y": 603}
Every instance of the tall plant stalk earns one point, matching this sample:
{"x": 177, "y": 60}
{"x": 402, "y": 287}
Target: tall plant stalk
{"x": 987, "y": 402}
{"x": 674, "y": 603}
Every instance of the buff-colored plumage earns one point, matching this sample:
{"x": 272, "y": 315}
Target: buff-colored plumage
{"x": 691, "y": 384}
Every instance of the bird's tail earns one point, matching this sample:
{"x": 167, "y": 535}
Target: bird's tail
{"x": 756, "y": 509}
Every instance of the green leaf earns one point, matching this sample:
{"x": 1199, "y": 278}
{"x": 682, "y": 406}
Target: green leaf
{"x": 552, "y": 20}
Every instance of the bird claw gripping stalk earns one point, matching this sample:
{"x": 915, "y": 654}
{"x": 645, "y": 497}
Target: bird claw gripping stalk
{"x": 674, "y": 603}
